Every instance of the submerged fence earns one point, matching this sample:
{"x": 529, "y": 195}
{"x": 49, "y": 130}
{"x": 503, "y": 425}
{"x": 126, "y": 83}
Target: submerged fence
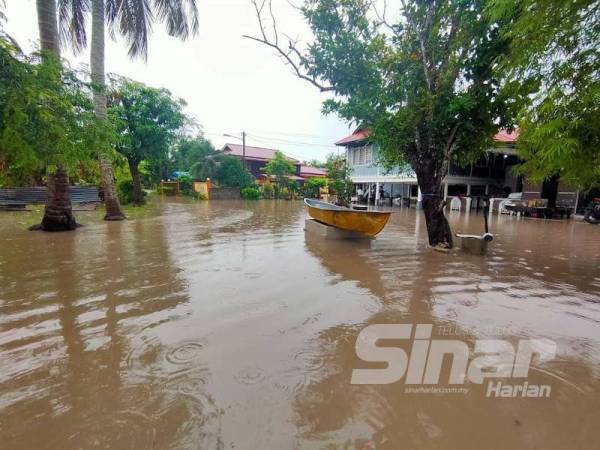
{"x": 37, "y": 195}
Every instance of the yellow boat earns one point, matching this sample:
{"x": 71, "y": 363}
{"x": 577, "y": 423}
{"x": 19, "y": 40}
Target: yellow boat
{"x": 366, "y": 222}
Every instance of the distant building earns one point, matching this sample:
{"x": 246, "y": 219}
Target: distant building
{"x": 306, "y": 172}
{"x": 492, "y": 174}
{"x": 258, "y": 157}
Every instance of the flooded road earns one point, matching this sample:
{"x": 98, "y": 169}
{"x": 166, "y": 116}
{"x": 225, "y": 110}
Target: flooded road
{"x": 221, "y": 325}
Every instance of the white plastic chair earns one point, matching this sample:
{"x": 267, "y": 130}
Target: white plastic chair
{"x": 455, "y": 204}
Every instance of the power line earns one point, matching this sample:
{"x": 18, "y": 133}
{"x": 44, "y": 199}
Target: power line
{"x": 281, "y": 133}
{"x": 285, "y": 141}
{"x": 279, "y": 140}
{"x": 275, "y": 141}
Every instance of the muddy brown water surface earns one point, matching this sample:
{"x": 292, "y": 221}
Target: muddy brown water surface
{"x": 221, "y": 325}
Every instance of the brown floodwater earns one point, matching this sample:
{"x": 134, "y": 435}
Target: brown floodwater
{"x": 221, "y": 325}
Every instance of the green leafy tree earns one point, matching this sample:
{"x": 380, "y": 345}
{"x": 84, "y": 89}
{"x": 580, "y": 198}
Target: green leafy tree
{"x": 185, "y": 183}
{"x": 423, "y": 82}
{"x": 189, "y": 152}
{"x": 338, "y": 178}
{"x": 133, "y": 21}
{"x": 281, "y": 168}
{"x": 231, "y": 173}
{"x": 147, "y": 121}
{"x": 312, "y": 187}
{"x": 555, "y": 49}
{"x": 206, "y": 167}
{"x": 47, "y": 127}
{"x": 314, "y": 163}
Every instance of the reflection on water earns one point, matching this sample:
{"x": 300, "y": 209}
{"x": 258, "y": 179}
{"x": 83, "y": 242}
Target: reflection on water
{"x": 221, "y": 325}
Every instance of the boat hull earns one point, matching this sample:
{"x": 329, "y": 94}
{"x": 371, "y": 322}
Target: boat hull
{"x": 369, "y": 223}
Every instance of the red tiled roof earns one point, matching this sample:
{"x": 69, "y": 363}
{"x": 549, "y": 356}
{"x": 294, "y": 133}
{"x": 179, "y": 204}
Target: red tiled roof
{"x": 361, "y": 135}
{"x": 506, "y": 137}
{"x": 357, "y": 136}
{"x": 308, "y": 171}
{"x": 253, "y": 153}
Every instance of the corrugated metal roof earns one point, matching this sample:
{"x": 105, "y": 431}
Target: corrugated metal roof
{"x": 314, "y": 171}
{"x": 254, "y": 153}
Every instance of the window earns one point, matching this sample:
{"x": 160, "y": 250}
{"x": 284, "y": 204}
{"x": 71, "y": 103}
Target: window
{"x": 355, "y": 156}
{"x": 369, "y": 155}
{"x": 361, "y": 156}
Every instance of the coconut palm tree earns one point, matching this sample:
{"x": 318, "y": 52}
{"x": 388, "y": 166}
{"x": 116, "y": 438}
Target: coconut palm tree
{"x": 132, "y": 20}
{"x": 58, "y": 213}
{"x": 111, "y": 200}
{"x": 48, "y": 26}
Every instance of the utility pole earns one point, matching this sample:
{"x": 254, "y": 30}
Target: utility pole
{"x": 243, "y": 139}
{"x": 244, "y": 149}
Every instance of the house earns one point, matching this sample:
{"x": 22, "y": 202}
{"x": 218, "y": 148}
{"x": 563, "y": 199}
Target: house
{"x": 307, "y": 172}
{"x": 256, "y": 159}
{"x": 491, "y": 175}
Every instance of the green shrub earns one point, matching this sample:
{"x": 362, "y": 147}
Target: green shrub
{"x": 250, "y": 193}
{"x": 185, "y": 184}
{"x": 231, "y": 173}
{"x": 312, "y": 186}
{"x": 267, "y": 190}
{"x": 125, "y": 191}
{"x": 199, "y": 196}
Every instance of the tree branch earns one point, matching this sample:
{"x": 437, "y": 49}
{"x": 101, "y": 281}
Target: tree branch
{"x": 381, "y": 16}
{"x": 449, "y": 150}
{"x": 446, "y": 51}
{"x": 421, "y": 42}
{"x": 292, "y": 56}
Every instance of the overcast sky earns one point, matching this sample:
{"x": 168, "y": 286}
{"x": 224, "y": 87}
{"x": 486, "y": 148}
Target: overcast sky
{"x": 229, "y": 83}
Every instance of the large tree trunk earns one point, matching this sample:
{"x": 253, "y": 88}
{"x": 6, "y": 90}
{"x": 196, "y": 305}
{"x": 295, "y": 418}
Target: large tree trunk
{"x": 138, "y": 193}
{"x": 58, "y": 215}
{"x": 438, "y": 228}
{"x": 111, "y": 200}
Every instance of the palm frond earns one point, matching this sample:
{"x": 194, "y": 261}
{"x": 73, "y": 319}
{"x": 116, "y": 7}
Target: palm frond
{"x": 72, "y": 17}
{"x": 131, "y": 19}
{"x": 2, "y": 8}
{"x": 180, "y": 16}
{"x": 110, "y": 16}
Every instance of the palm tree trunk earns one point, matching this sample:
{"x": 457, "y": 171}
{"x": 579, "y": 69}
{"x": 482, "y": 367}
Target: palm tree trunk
{"x": 111, "y": 200}
{"x": 48, "y": 26}
{"x": 58, "y": 213}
